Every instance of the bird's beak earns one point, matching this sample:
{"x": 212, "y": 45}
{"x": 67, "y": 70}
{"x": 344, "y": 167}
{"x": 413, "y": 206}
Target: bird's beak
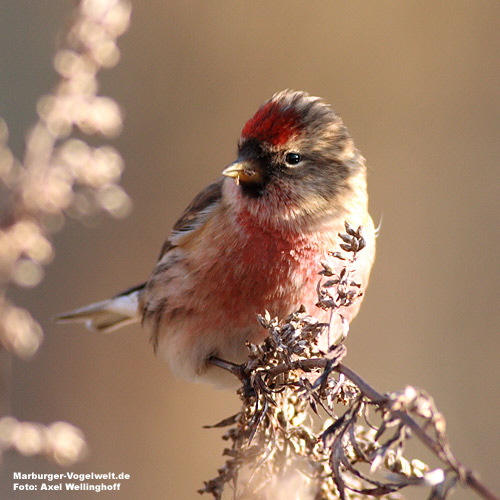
{"x": 244, "y": 171}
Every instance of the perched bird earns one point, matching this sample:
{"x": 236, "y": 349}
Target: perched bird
{"x": 251, "y": 241}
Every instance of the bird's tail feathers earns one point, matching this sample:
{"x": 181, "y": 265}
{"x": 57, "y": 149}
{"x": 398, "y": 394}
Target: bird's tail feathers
{"x": 107, "y": 315}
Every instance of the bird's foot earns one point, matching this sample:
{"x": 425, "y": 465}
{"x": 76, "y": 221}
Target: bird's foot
{"x": 235, "y": 369}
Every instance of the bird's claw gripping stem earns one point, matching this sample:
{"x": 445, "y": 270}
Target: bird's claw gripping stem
{"x": 236, "y": 370}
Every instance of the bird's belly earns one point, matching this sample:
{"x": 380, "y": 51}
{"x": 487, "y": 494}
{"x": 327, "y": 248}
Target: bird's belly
{"x": 216, "y": 312}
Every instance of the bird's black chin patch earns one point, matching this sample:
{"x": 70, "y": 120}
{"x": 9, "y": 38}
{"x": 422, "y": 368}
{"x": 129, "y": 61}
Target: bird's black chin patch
{"x": 253, "y": 189}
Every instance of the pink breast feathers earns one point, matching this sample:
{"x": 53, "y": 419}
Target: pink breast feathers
{"x": 266, "y": 270}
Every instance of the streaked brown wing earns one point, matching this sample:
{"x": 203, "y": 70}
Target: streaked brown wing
{"x": 191, "y": 216}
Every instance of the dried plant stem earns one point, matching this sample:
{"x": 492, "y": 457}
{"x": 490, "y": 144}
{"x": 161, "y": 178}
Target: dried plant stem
{"x": 278, "y": 451}
{"x": 467, "y": 476}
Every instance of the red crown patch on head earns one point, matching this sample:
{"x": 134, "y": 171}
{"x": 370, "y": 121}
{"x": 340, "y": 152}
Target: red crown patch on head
{"x": 272, "y": 124}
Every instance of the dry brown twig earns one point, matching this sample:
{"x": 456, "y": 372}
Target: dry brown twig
{"x": 59, "y": 176}
{"x": 279, "y": 451}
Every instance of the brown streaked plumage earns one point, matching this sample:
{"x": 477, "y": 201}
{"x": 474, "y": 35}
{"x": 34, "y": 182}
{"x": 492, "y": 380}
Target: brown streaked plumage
{"x": 253, "y": 240}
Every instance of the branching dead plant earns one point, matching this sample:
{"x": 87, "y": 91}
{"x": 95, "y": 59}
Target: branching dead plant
{"x": 311, "y": 428}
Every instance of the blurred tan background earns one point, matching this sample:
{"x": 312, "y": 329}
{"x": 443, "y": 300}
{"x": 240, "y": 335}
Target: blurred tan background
{"x": 416, "y": 83}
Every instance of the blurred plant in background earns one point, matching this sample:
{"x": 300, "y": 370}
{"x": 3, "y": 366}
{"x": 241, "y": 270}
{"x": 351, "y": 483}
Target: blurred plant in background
{"x": 61, "y": 175}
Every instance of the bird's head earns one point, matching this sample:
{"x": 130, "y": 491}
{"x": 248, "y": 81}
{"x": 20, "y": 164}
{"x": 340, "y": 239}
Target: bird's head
{"x": 297, "y": 146}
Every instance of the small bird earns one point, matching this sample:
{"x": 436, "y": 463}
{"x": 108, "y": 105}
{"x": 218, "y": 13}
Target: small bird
{"x": 252, "y": 241}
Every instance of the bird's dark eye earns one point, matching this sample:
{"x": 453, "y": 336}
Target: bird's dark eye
{"x": 293, "y": 158}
